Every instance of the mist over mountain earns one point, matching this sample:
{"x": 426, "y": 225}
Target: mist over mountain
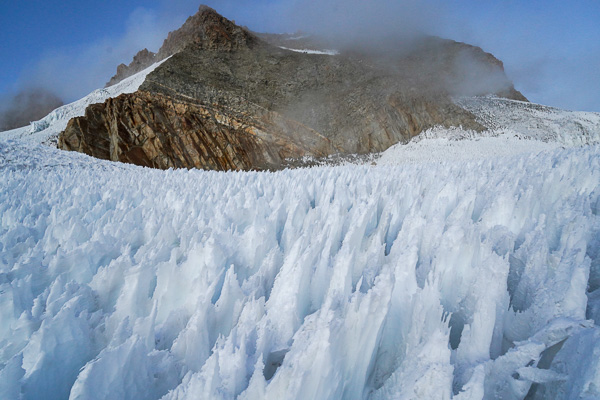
{"x": 278, "y": 97}
{"x": 26, "y": 106}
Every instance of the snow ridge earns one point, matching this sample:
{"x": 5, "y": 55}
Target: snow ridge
{"x": 455, "y": 144}
{"x": 47, "y": 129}
{"x": 457, "y": 279}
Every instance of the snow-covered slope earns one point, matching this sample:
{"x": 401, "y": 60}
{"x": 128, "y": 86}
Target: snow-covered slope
{"x": 455, "y": 144}
{"x": 462, "y": 279}
{"x": 47, "y": 129}
{"x": 514, "y": 127}
{"x": 535, "y": 121}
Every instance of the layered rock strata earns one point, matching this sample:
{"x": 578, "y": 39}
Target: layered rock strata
{"x": 156, "y": 131}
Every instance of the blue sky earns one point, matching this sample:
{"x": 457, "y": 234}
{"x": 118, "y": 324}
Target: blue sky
{"x": 551, "y": 49}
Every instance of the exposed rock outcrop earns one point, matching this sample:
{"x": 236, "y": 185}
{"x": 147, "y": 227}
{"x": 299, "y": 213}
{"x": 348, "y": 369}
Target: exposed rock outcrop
{"x": 141, "y": 61}
{"x": 156, "y": 131}
{"x": 361, "y": 104}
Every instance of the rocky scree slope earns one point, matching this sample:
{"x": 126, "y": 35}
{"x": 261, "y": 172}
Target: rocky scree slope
{"x": 228, "y": 99}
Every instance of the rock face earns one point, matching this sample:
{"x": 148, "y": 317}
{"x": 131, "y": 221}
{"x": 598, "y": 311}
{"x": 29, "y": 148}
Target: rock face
{"x": 157, "y": 131}
{"x": 141, "y": 61}
{"x": 206, "y": 29}
{"x": 228, "y": 99}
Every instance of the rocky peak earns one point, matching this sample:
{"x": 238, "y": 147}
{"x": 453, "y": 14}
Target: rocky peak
{"x": 207, "y": 30}
{"x": 141, "y": 60}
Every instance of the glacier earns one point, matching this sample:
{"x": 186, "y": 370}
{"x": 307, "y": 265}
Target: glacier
{"x": 434, "y": 278}
{"x": 463, "y": 265}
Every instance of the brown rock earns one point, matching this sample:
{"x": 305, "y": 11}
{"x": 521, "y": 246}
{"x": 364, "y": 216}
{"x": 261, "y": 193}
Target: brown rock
{"x": 207, "y": 30}
{"x": 361, "y": 107}
{"x": 157, "y": 131}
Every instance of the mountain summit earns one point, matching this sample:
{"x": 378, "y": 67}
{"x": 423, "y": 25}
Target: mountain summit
{"x": 206, "y": 29}
{"x": 227, "y": 98}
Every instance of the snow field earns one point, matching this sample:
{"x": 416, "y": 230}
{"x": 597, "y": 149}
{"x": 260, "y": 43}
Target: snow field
{"x": 513, "y": 127}
{"x": 458, "y": 279}
{"x": 456, "y": 144}
{"x": 535, "y": 121}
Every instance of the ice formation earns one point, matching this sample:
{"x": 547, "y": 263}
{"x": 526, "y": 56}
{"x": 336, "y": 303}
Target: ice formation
{"x": 461, "y": 278}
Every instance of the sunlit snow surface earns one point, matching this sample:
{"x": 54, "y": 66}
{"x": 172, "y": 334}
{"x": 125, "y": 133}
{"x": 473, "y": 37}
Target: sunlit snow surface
{"x": 462, "y": 279}
{"x": 463, "y": 265}
{"x": 514, "y": 127}
{"x": 535, "y": 121}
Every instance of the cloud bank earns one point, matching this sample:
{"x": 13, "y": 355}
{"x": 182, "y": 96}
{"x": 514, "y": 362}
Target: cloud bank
{"x": 30, "y": 104}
